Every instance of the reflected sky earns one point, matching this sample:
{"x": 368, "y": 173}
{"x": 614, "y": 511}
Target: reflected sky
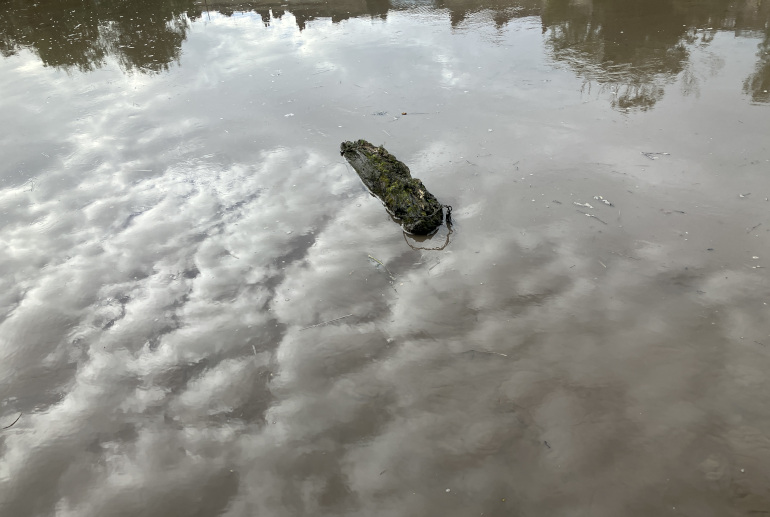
{"x": 191, "y": 323}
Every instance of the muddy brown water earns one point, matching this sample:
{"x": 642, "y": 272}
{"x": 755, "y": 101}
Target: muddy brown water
{"x": 203, "y": 312}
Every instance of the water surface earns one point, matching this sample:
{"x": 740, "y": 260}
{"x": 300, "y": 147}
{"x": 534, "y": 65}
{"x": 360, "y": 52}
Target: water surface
{"x": 204, "y": 312}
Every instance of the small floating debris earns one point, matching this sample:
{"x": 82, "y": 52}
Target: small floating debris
{"x": 474, "y": 351}
{"x": 14, "y": 422}
{"x": 384, "y": 267}
{"x": 582, "y": 204}
{"x": 326, "y": 322}
{"x": 654, "y": 156}
{"x": 592, "y": 215}
{"x": 605, "y": 201}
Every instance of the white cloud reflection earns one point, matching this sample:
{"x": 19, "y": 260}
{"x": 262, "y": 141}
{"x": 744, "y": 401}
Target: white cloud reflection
{"x": 160, "y": 277}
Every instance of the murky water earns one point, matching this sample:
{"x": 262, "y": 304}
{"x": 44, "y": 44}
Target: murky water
{"x": 203, "y": 312}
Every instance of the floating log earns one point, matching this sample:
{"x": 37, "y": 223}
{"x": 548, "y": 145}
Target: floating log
{"x": 405, "y": 197}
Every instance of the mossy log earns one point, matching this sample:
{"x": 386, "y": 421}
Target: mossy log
{"x": 405, "y": 197}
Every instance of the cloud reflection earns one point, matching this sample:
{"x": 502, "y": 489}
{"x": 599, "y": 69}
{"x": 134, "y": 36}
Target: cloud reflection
{"x": 160, "y": 282}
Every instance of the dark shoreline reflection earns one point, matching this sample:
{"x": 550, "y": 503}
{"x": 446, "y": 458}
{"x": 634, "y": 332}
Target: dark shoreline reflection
{"x": 757, "y": 85}
{"x": 638, "y": 48}
{"x": 144, "y": 35}
{"x": 634, "y": 49}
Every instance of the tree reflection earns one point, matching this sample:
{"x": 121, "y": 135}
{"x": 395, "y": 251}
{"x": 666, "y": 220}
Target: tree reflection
{"x": 757, "y": 85}
{"x": 304, "y": 11}
{"x": 634, "y": 49}
{"x": 144, "y": 35}
{"x": 501, "y": 11}
{"x": 629, "y": 49}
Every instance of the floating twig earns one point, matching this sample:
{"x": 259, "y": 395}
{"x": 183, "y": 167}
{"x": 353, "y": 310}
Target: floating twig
{"x": 591, "y": 215}
{"x": 14, "y": 422}
{"x": 485, "y": 352}
{"x": 624, "y": 256}
{"x": 753, "y": 228}
{"x": 654, "y": 156}
{"x": 325, "y": 322}
{"x": 605, "y": 201}
{"x": 384, "y": 266}
{"x": 546, "y": 444}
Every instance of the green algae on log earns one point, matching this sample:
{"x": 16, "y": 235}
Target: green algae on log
{"x": 405, "y": 197}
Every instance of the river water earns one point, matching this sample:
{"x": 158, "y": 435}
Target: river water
{"x": 204, "y": 312}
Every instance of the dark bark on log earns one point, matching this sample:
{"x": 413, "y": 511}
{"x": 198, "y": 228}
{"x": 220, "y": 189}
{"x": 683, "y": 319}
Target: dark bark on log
{"x": 405, "y": 197}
